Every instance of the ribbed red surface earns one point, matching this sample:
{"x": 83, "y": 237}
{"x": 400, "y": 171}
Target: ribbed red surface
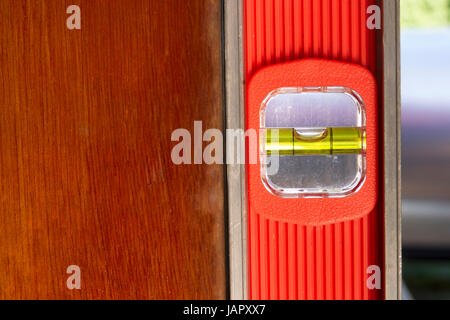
{"x": 290, "y": 261}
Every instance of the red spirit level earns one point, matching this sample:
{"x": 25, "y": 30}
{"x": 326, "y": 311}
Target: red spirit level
{"x": 318, "y": 213}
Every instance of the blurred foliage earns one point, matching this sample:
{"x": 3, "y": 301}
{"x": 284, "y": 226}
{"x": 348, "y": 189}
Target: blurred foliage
{"x": 427, "y": 279}
{"x": 425, "y": 13}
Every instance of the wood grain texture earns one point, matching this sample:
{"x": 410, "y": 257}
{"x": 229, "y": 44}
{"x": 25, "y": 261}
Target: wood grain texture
{"x": 85, "y": 164}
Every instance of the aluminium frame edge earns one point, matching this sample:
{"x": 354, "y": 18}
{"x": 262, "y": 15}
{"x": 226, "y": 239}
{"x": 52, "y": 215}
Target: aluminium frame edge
{"x": 392, "y": 149}
{"x": 236, "y": 176}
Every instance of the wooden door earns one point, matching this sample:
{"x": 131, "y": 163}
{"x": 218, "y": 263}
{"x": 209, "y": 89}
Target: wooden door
{"x": 86, "y": 176}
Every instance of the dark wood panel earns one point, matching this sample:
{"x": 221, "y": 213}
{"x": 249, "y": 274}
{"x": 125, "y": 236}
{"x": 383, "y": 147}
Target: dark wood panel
{"x": 85, "y": 164}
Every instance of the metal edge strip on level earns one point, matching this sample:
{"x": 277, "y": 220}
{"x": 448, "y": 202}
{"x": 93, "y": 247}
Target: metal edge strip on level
{"x": 234, "y": 94}
{"x": 392, "y": 148}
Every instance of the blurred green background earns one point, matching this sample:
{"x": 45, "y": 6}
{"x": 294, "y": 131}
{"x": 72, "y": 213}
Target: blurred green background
{"x": 425, "y": 13}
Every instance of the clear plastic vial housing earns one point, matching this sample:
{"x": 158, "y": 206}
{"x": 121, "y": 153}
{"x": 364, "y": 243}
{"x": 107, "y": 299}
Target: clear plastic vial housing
{"x": 313, "y": 142}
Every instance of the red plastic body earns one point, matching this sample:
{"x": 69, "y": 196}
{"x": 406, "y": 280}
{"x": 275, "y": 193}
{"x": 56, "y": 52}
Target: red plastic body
{"x": 314, "y": 73}
{"x": 312, "y": 248}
